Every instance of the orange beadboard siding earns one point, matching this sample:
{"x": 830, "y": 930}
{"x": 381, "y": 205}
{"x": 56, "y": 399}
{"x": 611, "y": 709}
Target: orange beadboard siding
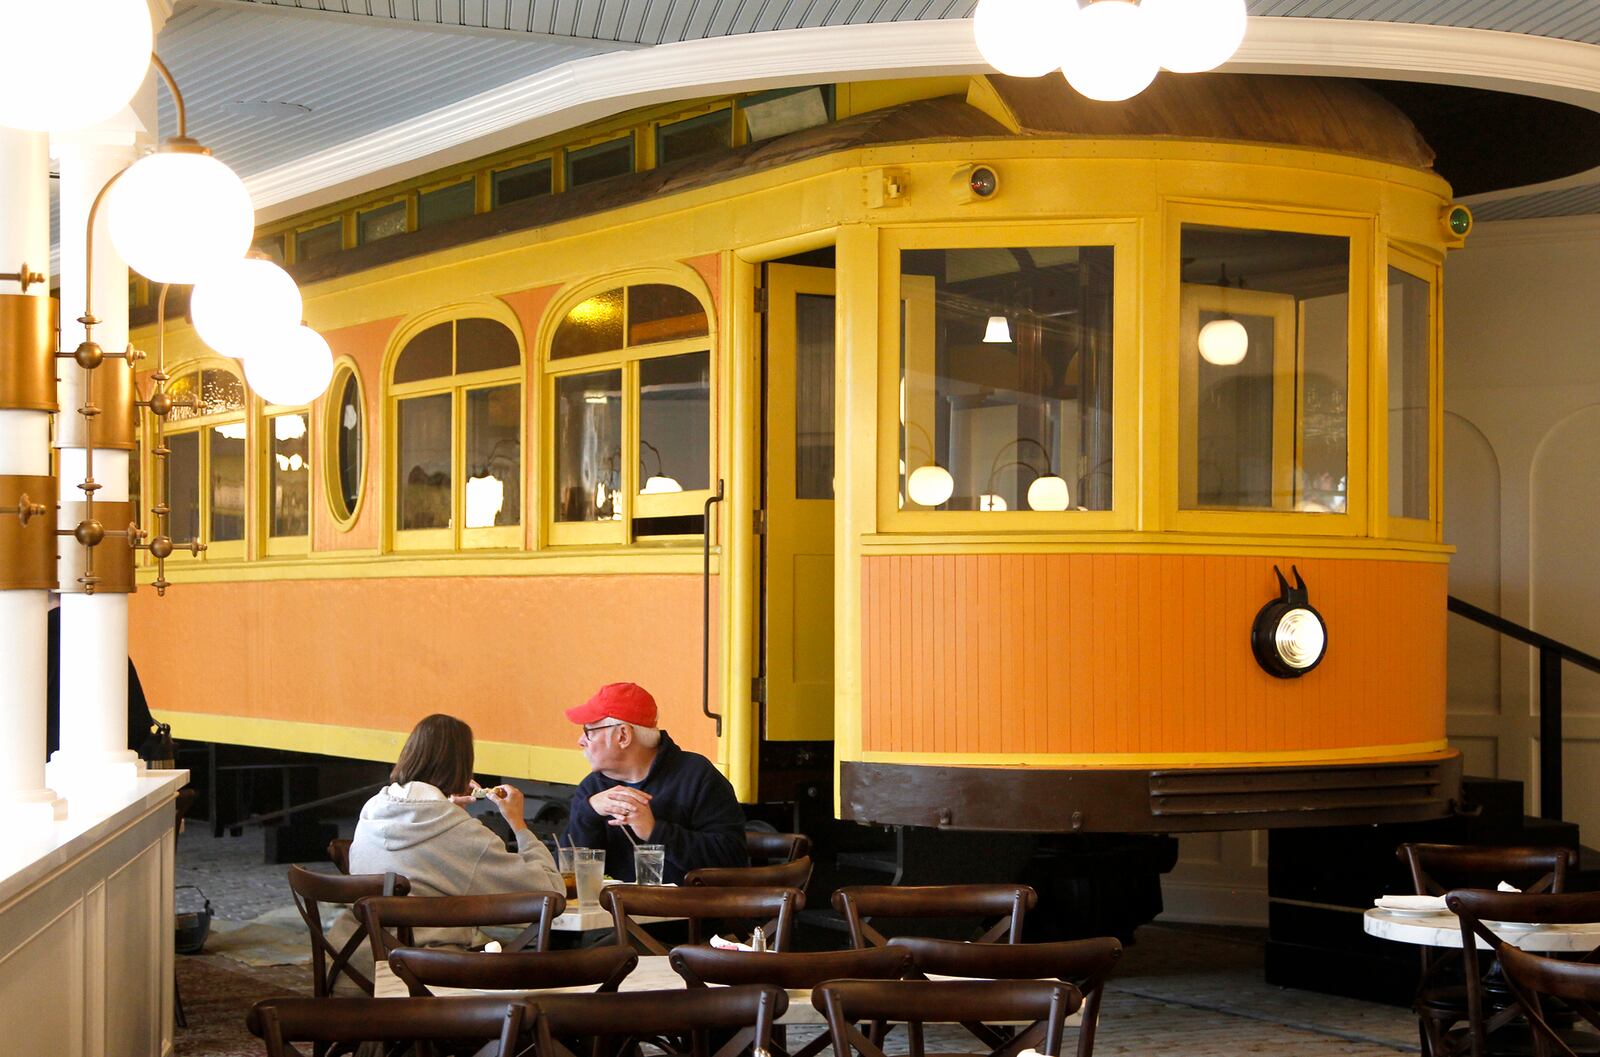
{"x": 506, "y": 654}
{"x": 365, "y": 344}
{"x": 1131, "y": 653}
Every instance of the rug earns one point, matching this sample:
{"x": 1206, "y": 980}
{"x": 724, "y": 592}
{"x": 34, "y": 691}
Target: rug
{"x": 217, "y": 993}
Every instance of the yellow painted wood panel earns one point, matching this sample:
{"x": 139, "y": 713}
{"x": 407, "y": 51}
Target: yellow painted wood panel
{"x": 1141, "y": 654}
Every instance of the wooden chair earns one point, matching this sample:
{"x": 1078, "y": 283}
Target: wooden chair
{"x": 661, "y": 1018}
{"x": 777, "y": 906}
{"x": 1007, "y": 901}
{"x": 796, "y": 874}
{"x": 280, "y": 1022}
{"x": 1532, "y": 977}
{"x": 310, "y": 891}
{"x": 917, "y": 1002}
{"x": 1083, "y": 963}
{"x": 423, "y": 968}
{"x": 1441, "y": 999}
{"x": 792, "y": 971}
{"x": 1477, "y": 909}
{"x": 392, "y": 922}
{"x": 339, "y": 853}
{"x": 776, "y": 847}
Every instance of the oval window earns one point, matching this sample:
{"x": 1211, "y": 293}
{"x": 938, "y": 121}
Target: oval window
{"x": 347, "y": 447}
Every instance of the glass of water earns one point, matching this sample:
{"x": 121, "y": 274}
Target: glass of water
{"x": 648, "y": 860}
{"x": 589, "y": 866}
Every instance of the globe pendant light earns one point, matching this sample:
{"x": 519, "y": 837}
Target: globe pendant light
{"x": 1049, "y": 493}
{"x": 292, "y": 368}
{"x": 71, "y": 65}
{"x": 1109, "y": 52}
{"x": 244, "y": 299}
{"x": 1224, "y": 342}
{"x": 1193, "y": 36}
{"x": 1018, "y": 37}
{"x": 179, "y": 214}
{"x": 930, "y": 485}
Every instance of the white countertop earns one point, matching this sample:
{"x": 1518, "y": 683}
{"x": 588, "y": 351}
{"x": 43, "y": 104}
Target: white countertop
{"x": 26, "y": 863}
{"x": 1443, "y": 929}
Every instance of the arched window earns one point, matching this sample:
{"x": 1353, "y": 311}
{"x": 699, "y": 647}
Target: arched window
{"x": 630, "y": 371}
{"x": 206, "y": 468}
{"x": 456, "y": 396}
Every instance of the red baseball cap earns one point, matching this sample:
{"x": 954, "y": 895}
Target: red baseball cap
{"x": 628, "y": 702}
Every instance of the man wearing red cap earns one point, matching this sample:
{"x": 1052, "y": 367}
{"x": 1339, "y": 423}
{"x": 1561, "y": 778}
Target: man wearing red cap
{"x": 642, "y": 780}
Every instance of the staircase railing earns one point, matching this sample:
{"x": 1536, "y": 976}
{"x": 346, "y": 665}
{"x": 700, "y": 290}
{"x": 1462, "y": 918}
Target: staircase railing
{"x": 1551, "y": 654}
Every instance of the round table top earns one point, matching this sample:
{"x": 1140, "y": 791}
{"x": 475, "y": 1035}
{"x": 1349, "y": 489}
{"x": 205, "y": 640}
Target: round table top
{"x": 1443, "y": 929}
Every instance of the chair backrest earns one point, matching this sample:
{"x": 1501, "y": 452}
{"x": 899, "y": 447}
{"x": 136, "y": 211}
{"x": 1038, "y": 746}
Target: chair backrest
{"x": 796, "y": 874}
{"x": 339, "y": 853}
{"x": 1533, "y": 977}
{"x": 421, "y": 968}
{"x": 392, "y": 922}
{"x": 1044, "y": 1004}
{"x": 776, "y": 847}
{"x": 1437, "y": 868}
{"x": 279, "y": 1022}
{"x": 749, "y": 1012}
{"x": 310, "y": 891}
{"x": 1083, "y": 963}
{"x": 1009, "y": 902}
{"x": 698, "y": 905}
{"x": 793, "y": 970}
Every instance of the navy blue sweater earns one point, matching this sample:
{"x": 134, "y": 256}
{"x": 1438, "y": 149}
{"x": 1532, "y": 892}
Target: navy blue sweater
{"x": 698, "y": 819}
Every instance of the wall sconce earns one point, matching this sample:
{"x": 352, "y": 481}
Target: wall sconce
{"x": 1289, "y": 637}
{"x": 657, "y": 483}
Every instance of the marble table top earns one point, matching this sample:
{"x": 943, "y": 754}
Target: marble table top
{"x": 1443, "y": 929}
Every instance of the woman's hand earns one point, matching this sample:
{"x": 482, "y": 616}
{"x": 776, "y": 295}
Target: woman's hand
{"x": 508, "y": 798}
{"x": 466, "y": 799}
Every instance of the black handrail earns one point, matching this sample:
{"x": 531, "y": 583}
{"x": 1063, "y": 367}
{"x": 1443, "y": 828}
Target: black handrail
{"x": 705, "y": 613}
{"x": 1551, "y": 654}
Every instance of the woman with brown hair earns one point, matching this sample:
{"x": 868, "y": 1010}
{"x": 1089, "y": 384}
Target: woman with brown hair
{"x": 416, "y": 826}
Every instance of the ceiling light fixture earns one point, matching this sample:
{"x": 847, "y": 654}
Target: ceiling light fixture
{"x": 998, "y": 332}
{"x": 1109, "y": 50}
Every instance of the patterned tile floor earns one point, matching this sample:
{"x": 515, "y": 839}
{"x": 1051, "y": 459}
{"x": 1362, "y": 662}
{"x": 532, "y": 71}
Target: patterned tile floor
{"x": 1194, "y": 992}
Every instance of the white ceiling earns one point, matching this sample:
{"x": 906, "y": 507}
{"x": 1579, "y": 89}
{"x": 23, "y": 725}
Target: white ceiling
{"x": 354, "y": 69}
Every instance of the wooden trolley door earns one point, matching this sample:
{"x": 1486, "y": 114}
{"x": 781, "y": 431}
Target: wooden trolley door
{"x": 798, "y": 552}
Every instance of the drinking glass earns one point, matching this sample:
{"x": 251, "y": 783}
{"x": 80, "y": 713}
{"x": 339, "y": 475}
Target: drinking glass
{"x": 564, "y": 864}
{"x": 589, "y": 868}
{"x": 648, "y": 860}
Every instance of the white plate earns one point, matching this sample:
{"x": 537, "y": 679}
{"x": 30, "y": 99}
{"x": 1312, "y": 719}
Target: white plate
{"x": 1413, "y": 912}
{"x": 1411, "y": 906}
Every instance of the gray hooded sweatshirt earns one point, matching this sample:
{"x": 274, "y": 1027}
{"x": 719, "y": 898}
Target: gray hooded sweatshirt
{"x": 416, "y": 831}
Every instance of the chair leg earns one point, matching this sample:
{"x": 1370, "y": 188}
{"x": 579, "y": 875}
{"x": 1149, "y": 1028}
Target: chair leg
{"x": 178, "y": 1015}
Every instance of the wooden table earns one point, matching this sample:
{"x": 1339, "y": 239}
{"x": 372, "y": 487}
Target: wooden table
{"x": 653, "y": 973}
{"x": 1443, "y": 929}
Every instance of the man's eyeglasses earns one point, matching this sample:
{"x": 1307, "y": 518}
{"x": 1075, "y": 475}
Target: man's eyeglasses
{"x": 589, "y": 732}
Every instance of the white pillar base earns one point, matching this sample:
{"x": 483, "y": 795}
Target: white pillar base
{"x": 35, "y": 808}
{"x": 92, "y": 776}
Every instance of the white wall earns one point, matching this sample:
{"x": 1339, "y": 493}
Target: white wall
{"x": 1522, "y": 490}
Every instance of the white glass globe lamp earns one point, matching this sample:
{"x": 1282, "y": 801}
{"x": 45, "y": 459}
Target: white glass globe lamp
{"x": 292, "y": 368}
{"x": 991, "y": 501}
{"x": 1193, "y": 36}
{"x": 1224, "y": 341}
{"x": 1019, "y": 37}
{"x": 71, "y": 65}
{"x": 1109, "y": 53}
{"x": 930, "y": 485}
{"x": 242, "y": 300}
{"x": 1048, "y": 493}
{"x": 179, "y": 215}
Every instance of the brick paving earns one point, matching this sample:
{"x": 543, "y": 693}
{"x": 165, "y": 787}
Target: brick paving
{"x": 1194, "y": 992}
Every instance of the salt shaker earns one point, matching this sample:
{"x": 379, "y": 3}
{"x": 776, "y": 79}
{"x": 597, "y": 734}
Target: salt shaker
{"x": 758, "y": 939}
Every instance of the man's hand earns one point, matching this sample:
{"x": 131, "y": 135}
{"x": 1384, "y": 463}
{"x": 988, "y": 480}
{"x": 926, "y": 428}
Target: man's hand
{"x": 626, "y": 806}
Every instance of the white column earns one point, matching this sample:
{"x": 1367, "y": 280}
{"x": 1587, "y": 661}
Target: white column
{"x": 94, "y": 756}
{"x": 25, "y": 450}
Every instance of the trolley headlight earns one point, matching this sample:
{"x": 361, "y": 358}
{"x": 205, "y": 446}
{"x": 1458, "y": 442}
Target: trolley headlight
{"x": 1289, "y": 637}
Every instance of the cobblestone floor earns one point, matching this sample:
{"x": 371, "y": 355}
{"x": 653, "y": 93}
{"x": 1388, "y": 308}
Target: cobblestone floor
{"x": 1179, "y": 991}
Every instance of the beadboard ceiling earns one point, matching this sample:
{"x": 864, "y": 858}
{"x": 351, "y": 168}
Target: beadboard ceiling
{"x": 268, "y": 82}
